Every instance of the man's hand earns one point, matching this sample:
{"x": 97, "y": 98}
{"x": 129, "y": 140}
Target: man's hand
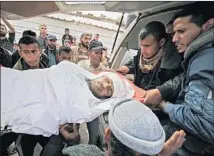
{"x": 152, "y": 97}
{"x": 123, "y": 70}
{"x": 68, "y": 135}
{"x": 173, "y": 143}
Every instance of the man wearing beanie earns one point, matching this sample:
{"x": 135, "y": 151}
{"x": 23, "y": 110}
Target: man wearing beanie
{"x": 131, "y": 133}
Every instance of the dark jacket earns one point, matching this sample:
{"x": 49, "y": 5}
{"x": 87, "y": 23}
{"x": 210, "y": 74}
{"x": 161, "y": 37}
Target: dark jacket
{"x": 16, "y": 57}
{"x": 193, "y": 110}
{"x": 48, "y": 53}
{"x": 67, "y": 37}
{"x": 21, "y": 65}
{"x": 7, "y": 43}
{"x": 167, "y": 68}
{"x": 5, "y": 57}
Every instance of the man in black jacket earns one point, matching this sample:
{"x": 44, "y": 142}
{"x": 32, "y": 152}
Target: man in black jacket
{"x": 157, "y": 60}
{"x": 16, "y": 56}
{"x": 193, "y": 90}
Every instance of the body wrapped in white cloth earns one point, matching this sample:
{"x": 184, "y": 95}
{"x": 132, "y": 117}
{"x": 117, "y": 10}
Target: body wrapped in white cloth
{"x": 38, "y": 101}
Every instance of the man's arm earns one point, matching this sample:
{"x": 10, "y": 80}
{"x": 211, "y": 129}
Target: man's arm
{"x": 170, "y": 88}
{"x": 168, "y": 91}
{"x": 12, "y": 29}
{"x": 196, "y": 113}
{"x": 128, "y": 68}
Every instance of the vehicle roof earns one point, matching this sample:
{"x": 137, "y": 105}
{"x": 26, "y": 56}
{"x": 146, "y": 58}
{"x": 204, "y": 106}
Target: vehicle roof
{"x": 15, "y": 10}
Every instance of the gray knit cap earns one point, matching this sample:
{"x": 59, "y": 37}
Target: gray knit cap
{"x": 83, "y": 150}
{"x": 137, "y": 127}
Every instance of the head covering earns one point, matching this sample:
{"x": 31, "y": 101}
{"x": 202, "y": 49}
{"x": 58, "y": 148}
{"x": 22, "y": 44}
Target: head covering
{"x": 122, "y": 88}
{"x": 95, "y": 46}
{"x": 51, "y": 37}
{"x": 137, "y": 127}
{"x": 83, "y": 150}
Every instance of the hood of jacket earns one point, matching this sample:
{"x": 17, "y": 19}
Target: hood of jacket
{"x": 201, "y": 41}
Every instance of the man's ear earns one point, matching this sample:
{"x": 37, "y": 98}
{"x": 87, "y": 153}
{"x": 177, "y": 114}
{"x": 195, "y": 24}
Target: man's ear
{"x": 162, "y": 42}
{"x": 107, "y": 135}
{"x": 208, "y": 25}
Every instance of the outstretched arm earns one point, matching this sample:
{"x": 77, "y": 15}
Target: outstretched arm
{"x": 12, "y": 29}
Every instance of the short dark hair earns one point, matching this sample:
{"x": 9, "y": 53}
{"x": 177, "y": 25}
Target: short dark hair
{"x": 28, "y": 40}
{"x": 67, "y": 29}
{"x": 119, "y": 149}
{"x": 98, "y": 34}
{"x": 29, "y": 33}
{"x": 84, "y": 34}
{"x": 200, "y": 12}
{"x": 154, "y": 28}
{"x": 64, "y": 49}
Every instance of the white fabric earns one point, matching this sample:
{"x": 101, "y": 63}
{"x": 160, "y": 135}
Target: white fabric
{"x": 38, "y": 101}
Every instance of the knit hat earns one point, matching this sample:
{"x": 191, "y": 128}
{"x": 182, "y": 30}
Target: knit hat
{"x": 137, "y": 127}
{"x": 83, "y": 150}
{"x": 122, "y": 88}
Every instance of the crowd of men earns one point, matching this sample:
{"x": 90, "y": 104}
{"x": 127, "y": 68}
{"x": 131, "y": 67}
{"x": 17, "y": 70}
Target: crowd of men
{"x": 174, "y": 68}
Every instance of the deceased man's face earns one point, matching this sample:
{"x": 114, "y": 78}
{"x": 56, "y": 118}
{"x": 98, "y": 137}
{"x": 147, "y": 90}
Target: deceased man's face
{"x": 102, "y": 87}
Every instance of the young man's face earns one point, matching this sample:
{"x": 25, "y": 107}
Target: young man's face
{"x": 43, "y": 29}
{"x": 52, "y": 44}
{"x": 3, "y": 30}
{"x": 102, "y": 87}
{"x": 67, "y": 32}
{"x": 184, "y": 32}
{"x": 67, "y": 43}
{"x": 31, "y": 54}
{"x": 65, "y": 56}
{"x": 96, "y": 37}
{"x": 95, "y": 57}
{"x": 149, "y": 46}
{"x": 85, "y": 40}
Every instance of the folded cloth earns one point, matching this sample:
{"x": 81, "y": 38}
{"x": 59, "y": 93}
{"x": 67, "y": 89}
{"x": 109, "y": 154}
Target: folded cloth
{"x": 38, "y": 101}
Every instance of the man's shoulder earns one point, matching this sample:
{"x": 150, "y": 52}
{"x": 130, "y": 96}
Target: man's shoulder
{"x": 84, "y": 62}
{"x": 18, "y": 65}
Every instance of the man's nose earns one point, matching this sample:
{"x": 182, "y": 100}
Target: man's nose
{"x": 175, "y": 38}
{"x": 32, "y": 56}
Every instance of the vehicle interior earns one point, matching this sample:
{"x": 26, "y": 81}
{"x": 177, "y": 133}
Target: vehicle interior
{"x": 126, "y": 46}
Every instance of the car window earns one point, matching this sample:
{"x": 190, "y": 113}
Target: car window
{"x": 129, "y": 54}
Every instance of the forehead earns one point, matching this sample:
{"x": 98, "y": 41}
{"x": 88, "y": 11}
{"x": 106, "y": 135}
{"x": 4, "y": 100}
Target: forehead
{"x": 33, "y": 46}
{"x": 104, "y": 78}
{"x": 182, "y": 21}
{"x": 97, "y": 51}
{"x": 86, "y": 36}
{"x": 43, "y": 27}
{"x": 148, "y": 39}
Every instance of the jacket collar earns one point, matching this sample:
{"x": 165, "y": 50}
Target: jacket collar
{"x": 21, "y": 65}
{"x": 201, "y": 41}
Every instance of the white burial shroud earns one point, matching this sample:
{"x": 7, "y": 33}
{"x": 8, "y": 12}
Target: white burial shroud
{"x": 38, "y": 101}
